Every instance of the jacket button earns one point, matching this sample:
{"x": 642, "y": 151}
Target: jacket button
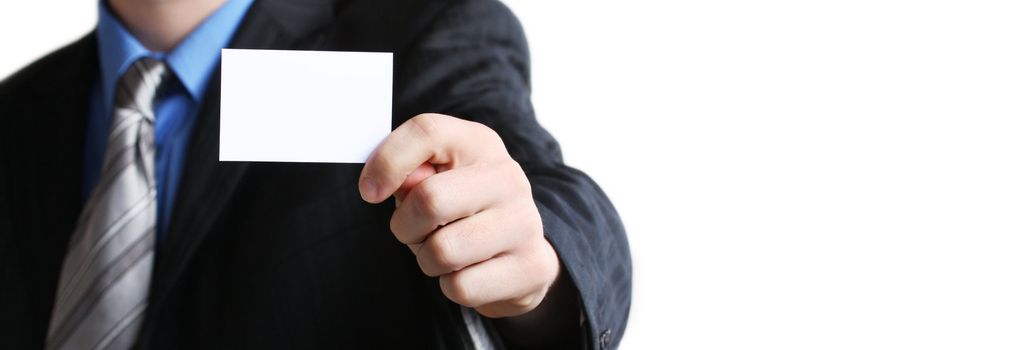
{"x": 605, "y": 338}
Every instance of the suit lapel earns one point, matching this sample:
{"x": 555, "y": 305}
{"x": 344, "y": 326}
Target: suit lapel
{"x": 208, "y": 185}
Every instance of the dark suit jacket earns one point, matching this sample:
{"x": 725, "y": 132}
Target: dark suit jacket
{"x": 288, "y": 255}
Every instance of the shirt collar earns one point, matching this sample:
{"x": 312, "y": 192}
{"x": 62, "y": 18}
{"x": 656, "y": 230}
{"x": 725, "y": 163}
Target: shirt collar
{"x": 192, "y": 61}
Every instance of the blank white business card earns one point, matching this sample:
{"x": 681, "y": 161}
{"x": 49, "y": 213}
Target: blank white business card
{"x": 304, "y": 106}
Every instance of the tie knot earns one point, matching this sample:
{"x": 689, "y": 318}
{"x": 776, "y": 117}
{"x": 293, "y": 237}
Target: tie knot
{"x": 139, "y": 85}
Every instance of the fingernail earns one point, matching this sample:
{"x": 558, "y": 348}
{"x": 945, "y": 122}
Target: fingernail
{"x": 370, "y": 190}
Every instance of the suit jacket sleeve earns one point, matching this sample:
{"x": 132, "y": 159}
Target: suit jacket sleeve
{"x": 472, "y": 62}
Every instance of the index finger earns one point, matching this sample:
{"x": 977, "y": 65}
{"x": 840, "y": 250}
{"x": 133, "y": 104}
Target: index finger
{"x": 441, "y": 140}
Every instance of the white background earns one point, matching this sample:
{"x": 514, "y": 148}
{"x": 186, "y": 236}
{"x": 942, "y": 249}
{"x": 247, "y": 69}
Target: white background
{"x": 792, "y": 174}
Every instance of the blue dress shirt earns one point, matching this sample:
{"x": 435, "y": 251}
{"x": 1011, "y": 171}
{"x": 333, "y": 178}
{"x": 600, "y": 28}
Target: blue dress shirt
{"x": 191, "y": 63}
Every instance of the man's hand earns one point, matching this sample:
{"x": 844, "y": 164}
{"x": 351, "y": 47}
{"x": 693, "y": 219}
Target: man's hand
{"x": 464, "y": 207}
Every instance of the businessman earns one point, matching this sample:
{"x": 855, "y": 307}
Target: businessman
{"x": 464, "y": 229}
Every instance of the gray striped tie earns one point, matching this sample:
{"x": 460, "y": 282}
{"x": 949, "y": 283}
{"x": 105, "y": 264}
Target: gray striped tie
{"x": 103, "y": 289}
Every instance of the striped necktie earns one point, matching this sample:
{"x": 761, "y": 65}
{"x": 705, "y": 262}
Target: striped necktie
{"x": 103, "y": 288}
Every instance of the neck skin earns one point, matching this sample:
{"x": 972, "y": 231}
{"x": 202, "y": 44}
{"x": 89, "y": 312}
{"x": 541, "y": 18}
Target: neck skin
{"x": 161, "y": 24}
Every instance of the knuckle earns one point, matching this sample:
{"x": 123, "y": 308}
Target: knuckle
{"x": 534, "y": 225}
{"x": 548, "y": 263}
{"x": 425, "y": 124}
{"x": 399, "y": 228}
{"x": 395, "y": 224}
{"x": 526, "y": 225}
{"x": 518, "y": 177}
{"x": 427, "y": 268}
{"x": 455, "y": 288}
{"x": 442, "y": 252}
{"x": 428, "y": 201}
{"x": 527, "y": 303}
{"x": 487, "y": 132}
{"x": 494, "y": 141}
{"x": 540, "y": 262}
